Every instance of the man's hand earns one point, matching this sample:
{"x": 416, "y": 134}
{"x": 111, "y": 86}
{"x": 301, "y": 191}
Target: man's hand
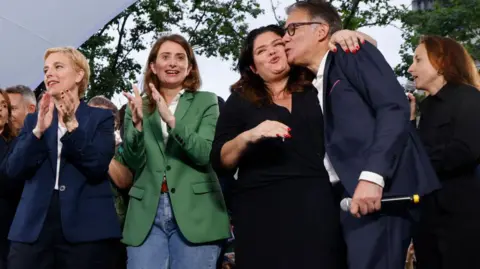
{"x": 366, "y": 199}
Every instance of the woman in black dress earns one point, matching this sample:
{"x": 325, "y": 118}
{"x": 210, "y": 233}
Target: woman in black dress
{"x": 271, "y": 129}
{"x": 449, "y": 229}
{"x": 9, "y": 194}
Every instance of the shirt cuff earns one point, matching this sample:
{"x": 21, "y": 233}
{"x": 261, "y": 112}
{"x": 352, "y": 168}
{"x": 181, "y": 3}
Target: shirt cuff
{"x": 372, "y": 177}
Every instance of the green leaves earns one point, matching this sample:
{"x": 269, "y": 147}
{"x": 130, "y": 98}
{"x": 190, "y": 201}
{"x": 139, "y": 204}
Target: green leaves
{"x": 213, "y": 27}
{"x": 457, "y": 19}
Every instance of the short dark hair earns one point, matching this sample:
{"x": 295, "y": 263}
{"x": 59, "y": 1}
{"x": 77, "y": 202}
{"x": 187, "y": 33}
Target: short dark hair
{"x": 251, "y": 86}
{"x": 102, "y": 101}
{"x": 320, "y": 10}
{"x": 27, "y": 93}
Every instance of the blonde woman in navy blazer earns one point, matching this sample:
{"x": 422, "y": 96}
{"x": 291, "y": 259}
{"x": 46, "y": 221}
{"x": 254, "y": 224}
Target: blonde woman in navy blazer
{"x": 66, "y": 217}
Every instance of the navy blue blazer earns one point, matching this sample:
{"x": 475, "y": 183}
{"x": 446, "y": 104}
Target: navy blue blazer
{"x": 86, "y": 199}
{"x": 367, "y": 126}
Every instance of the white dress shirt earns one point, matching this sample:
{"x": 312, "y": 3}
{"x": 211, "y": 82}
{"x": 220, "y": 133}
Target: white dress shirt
{"x": 61, "y": 131}
{"x": 172, "y": 107}
{"x": 365, "y": 175}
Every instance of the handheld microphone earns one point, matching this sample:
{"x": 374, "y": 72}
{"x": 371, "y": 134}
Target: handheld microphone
{"x": 414, "y": 199}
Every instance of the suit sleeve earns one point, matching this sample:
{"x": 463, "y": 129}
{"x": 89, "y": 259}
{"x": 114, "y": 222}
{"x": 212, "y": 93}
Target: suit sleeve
{"x": 91, "y": 157}
{"x": 198, "y": 143}
{"x": 27, "y": 154}
{"x": 133, "y": 153}
{"x": 372, "y": 76}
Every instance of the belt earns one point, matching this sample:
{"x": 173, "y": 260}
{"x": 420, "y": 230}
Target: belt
{"x": 164, "y": 188}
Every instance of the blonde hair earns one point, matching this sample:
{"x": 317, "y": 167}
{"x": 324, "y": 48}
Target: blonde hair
{"x": 79, "y": 61}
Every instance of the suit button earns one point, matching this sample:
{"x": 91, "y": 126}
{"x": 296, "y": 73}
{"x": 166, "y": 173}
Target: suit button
{"x": 172, "y": 190}
{"x": 168, "y": 167}
{"x": 62, "y": 188}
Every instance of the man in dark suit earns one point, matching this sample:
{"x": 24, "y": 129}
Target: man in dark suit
{"x": 371, "y": 148}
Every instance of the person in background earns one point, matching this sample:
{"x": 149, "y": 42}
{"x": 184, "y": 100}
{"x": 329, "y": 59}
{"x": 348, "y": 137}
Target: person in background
{"x": 449, "y": 127}
{"x": 23, "y": 103}
{"x": 119, "y": 174}
{"x": 66, "y": 218}
{"x": 9, "y": 194}
{"x": 176, "y": 217}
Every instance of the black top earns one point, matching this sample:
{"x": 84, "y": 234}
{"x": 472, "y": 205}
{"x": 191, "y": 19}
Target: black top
{"x": 271, "y": 160}
{"x": 450, "y": 130}
{"x": 10, "y": 193}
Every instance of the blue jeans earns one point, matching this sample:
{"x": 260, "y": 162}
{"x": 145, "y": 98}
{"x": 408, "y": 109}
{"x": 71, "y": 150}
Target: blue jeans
{"x": 166, "y": 247}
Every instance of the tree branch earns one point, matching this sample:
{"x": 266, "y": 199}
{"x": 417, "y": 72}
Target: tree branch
{"x": 274, "y": 10}
{"x": 121, "y": 34}
{"x": 198, "y": 24}
{"x": 214, "y": 26}
{"x": 347, "y": 20}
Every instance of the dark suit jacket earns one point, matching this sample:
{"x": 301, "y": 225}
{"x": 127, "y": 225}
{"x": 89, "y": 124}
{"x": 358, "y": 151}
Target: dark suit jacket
{"x": 367, "y": 125}
{"x": 86, "y": 199}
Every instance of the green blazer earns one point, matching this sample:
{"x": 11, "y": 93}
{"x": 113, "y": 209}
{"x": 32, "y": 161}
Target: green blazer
{"x": 195, "y": 192}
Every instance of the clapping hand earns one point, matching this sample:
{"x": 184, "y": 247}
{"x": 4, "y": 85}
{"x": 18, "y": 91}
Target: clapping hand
{"x": 45, "y": 115}
{"x": 135, "y": 104}
{"x": 162, "y": 107}
{"x": 67, "y": 110}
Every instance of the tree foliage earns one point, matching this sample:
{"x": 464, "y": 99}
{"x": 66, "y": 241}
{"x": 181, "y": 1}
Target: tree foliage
{"x": 213, "y": 27}
{"x": 457, "y": 19}
{"x": 359, "y": 13}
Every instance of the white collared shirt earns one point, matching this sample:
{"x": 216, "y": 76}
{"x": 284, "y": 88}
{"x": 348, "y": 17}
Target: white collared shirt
{"x": 365, "y": 175}
{"x": 61, "y": 131}
{"x": 172, "y": 107}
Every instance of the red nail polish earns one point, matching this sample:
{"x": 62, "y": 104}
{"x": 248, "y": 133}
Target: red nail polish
{"x": 347, "y": 51}
{"x": 357, "y": 47}
{"x": 363, "y": 42}
{"x": 278, "y": 135}
{"x": 289, "y": 129}
{"x": 334, "y": 49}
{"x": 288, "y": 136}
{"x": 354, "y": 51}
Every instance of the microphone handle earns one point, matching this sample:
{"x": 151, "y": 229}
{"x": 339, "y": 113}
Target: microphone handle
{"x": 396, "y": 199}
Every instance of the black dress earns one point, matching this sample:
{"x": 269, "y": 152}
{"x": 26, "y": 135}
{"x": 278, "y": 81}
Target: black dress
{"x": 283, "y": 207}
{"x": 449, "y": 230}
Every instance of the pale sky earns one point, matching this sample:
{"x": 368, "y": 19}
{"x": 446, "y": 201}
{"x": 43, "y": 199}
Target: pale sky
{"x": 217, "y": 75}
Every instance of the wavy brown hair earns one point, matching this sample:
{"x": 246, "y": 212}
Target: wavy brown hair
{"x": 191, "y": 83}
{"x": 451, "y": 60}
{"x": 9, "y": 132}
{"x": 251, "y": 86}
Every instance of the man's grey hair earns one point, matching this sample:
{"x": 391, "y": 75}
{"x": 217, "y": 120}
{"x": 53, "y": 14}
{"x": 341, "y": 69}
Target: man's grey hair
{"x": 27, "y": 93}
{"x": 319, "y": 10}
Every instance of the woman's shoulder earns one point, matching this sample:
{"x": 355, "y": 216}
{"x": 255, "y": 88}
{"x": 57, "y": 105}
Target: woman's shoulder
{"x": 204, "y": 96}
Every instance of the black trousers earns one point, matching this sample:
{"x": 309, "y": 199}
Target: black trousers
{"x": 52, "y": 251}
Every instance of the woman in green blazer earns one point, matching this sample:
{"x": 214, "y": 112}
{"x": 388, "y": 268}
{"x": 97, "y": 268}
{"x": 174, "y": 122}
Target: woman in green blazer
{"x": 176, "y": 216}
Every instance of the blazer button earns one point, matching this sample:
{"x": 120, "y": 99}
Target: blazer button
{"x": 172, "y": 190}
{"x": 62, "y": 188}
{"x": 168, "y": 167}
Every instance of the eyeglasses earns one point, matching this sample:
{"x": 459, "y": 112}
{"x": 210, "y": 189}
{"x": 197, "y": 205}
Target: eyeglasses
{"x": 290, "y": 29}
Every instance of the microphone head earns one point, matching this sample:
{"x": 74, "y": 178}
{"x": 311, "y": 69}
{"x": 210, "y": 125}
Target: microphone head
{"x": 345, "y": 204}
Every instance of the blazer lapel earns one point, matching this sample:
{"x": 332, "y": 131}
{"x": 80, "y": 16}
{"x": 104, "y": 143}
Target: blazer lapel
{"x": 183, "y": 105}
{"x": 325, "y": 80}
{"x": 52, "y": 135}
{"x": 156, "y": 126}
{"x": 82, "y": 114}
